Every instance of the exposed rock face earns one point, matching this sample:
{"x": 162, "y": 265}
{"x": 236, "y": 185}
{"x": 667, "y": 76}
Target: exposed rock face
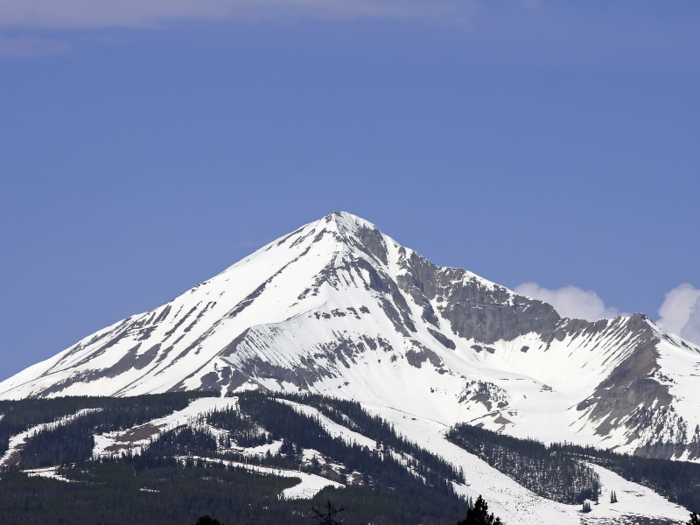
{"x": 486, "y": 393}
{"x": 474, "y": 309}
{"x": 338, "y": 307}
{"x": 630, "y": 390}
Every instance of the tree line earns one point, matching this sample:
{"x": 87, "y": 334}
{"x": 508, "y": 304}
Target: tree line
{"x": 544, "y": 470}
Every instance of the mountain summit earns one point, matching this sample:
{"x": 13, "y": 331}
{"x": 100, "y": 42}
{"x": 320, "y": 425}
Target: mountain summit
{"x": 339, "y": 308}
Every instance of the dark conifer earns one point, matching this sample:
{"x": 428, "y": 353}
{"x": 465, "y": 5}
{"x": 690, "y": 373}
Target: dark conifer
{"x": 694, "y": 519}
{"x": 479, "y": 515}
{"x": 326, "y": 515}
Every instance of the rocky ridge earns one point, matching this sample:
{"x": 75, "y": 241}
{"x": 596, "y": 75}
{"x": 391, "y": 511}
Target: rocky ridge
{"x": 339, "y": 308}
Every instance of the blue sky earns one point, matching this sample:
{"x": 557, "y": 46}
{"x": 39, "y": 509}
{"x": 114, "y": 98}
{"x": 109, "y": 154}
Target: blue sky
{"x": 146, "y": 146}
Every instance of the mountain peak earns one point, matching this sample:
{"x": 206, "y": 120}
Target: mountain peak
{"x": 343, "y": 220}
{"x": 346, "y": 222}
{"x": 356, "y": 232}
{"x": 337, "y": 307}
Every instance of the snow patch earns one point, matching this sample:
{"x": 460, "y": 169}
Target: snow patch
{"x": 309, "y": 486}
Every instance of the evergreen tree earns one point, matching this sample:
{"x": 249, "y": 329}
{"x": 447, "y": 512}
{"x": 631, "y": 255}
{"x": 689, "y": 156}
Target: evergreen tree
{"x": 613, "y": 497}
{"x": 479, "y": 515}
{"x": 694, "y": 519}
{"x": 326, "y": 516}
{"x": 586, "y": 506}
{"x": 544, "y": 470}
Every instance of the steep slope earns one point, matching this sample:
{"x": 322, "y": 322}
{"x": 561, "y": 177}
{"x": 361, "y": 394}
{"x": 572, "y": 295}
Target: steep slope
{"x": 339, "y": 308}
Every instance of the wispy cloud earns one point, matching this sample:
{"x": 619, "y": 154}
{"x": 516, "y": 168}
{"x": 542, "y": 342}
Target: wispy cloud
{"x": 23, "y": 46}
{"x": 145, "y": 13}
{"x": 570, "y": 301}
{"x": 680, "y": 312}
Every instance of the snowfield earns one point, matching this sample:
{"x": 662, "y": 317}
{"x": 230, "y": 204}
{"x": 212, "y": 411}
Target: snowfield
{"x": 340, "y": 309}
{"x": 515, "y": 504}
{"x": 330, "y": 308}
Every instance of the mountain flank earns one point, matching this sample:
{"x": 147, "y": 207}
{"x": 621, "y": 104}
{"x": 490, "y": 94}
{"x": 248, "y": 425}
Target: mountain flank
{"x": 338, "y": 308}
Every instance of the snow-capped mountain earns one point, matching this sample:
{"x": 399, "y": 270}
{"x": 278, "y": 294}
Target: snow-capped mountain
{"x": 341, "y": 309}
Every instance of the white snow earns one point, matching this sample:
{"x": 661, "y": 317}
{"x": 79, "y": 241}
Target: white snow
{"x": 47, "y": 472}
{"x": 633, "y": 499}
{"x": 309, "y": 486}
{"x": 130, "y": 439}
{"x": 301, "y": 303}
{"x": 289, "y": 320}
{"x": 515, "y": 504}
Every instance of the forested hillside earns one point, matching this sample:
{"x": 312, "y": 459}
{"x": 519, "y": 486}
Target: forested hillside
{"x": 546, "y": 471}
{"x": 114, "y": 493}
{"x": 559, "y": 471}
{"x": 173, "y": 478}
{"x": 74, "y": 441}
{"x": 679, "y": 481}
{"x": 163, "y": 485}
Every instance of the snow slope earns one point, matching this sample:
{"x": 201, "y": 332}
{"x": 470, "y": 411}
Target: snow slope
{"x": 515, "y": 504}
{"x": 339, "y": 308}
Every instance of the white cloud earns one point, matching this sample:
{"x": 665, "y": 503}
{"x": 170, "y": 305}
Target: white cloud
{"x": 570, "y": 301}
{"x": 680, "y": 312}
{"x": 691, "y": 330}
{"x": 147, "y": 13}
